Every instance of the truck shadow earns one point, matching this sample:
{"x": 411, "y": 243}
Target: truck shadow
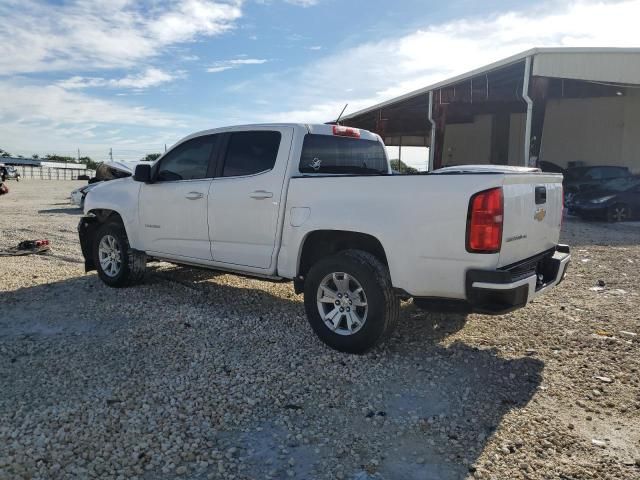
{"x": 69, "y": 211}
{"x": 420, "y": 408}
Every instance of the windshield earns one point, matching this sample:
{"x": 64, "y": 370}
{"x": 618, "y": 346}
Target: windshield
{"x": 574, "y": 173}
{"x": 621, "y": 184}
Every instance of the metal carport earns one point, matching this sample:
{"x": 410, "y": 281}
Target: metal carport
{"x": 567, "y": 106}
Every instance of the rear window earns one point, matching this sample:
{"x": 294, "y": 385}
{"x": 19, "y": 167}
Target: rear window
{"x": 332, "y": 154}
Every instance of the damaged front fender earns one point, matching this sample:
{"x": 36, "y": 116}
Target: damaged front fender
{"x": 87, "y": 229}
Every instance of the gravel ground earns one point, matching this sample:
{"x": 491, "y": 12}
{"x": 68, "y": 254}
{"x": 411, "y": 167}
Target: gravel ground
{"x": 203, "y": 375}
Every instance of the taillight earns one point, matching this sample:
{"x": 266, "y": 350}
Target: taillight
{"x": 484, "y": 221}
{"x": 341, "y": 131}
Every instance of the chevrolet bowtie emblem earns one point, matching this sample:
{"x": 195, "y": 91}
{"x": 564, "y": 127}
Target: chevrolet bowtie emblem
{"x": 540, "y": 214}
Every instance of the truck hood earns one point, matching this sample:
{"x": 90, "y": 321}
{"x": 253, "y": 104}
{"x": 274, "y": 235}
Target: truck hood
{"x": 112, "y": 170}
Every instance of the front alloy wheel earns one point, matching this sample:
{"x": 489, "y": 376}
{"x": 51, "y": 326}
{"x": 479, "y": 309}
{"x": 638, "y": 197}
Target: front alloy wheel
{"x": 117, "y": 264}
{"x": 110, "y": 256}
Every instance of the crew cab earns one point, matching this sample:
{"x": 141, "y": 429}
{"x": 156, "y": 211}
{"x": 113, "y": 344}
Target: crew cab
{"x": 318, "y": 205}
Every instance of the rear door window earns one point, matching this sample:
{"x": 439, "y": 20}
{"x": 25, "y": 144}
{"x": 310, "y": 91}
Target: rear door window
{"x": 250, "y": 153}
{"x": 332, "y": 154}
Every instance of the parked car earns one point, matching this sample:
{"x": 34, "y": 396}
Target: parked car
{"x": 616, "y": 201}
{"x": 8, "y": 172}
{"x": 582, "y": 179}
{"x": 318, "y": 205}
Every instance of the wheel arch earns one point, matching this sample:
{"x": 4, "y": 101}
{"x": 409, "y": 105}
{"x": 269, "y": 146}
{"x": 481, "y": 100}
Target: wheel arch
{"x": 318, "y": 244}
{"x": 88, "y": 228}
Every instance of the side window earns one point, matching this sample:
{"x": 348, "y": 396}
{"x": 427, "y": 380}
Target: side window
{"x": 188, "y": 161}
{"x": 249, "y": 153}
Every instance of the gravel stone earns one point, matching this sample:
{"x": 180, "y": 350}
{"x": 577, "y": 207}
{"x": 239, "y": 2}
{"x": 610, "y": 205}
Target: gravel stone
{"x": 198, "y": 374}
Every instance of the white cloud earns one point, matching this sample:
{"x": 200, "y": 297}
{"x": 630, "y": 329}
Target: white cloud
{"x": 151, "y": 77}
{"x": 93, "y": 34}
{"x": 375, "y": 71}
{"x": 297, "y": 3}
{"x": 223, "y": 65}
{"x": 53, "y": 104}
{"x": 88, "y": 35}
{"x": 39, "y": 118}
{"x": 302, "y": 3}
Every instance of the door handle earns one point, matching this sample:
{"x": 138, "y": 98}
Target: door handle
{"x": 194, "y": 195}
{"x": 261, "y": 194}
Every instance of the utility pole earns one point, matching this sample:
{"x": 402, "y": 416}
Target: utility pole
{"x": 111, "y": 154}
{"x": 78, "y": 155}
{"x": 165, "y": 148}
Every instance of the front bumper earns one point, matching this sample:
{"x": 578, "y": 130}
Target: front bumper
{"x": 501, "y": 291}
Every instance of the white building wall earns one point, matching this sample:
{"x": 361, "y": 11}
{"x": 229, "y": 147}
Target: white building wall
{"x": 591, "y": 130}
{"x": 468, "y": 143}
{"x": 609, "y": 66}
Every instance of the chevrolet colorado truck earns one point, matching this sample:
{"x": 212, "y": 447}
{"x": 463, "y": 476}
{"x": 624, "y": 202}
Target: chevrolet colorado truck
{"x": 318, "y": 205}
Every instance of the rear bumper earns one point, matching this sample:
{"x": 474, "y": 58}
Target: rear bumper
{"x": 501, "y": 291}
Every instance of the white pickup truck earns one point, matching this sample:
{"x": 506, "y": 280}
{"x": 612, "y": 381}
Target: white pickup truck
{"x": 319, "y": 205}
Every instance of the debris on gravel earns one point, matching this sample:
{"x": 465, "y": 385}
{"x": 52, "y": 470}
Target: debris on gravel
{"x": 204, "y": 375}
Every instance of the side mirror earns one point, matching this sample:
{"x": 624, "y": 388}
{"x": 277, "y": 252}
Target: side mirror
{"x": 142, "y": 173}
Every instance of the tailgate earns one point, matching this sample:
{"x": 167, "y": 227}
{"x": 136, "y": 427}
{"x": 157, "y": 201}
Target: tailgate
{"x": 532, "y": 215}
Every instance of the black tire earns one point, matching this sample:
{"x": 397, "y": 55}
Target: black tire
{"x": 133, "y": 263}
{"x": 618, "y": 213}
{"x": 382, "y": 303}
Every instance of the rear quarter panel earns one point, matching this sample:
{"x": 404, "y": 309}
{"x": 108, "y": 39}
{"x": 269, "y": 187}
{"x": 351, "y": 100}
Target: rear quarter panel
{"x": 420, "y": 220}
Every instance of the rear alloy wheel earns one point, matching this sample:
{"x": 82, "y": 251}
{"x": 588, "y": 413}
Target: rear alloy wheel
{"x": 342, "y": 303}
{"x": 618, "y": 213}
{"x": 350, "y": 302}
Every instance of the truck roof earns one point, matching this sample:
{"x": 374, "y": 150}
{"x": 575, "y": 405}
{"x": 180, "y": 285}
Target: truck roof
{"x": 316, "y": 128}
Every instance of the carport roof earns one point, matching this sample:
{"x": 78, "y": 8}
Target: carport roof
{"x": 628, "y": 72}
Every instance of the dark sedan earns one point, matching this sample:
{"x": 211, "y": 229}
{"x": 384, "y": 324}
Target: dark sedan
{"x": 583, "y": 179}
{"x": 616, "y": 201}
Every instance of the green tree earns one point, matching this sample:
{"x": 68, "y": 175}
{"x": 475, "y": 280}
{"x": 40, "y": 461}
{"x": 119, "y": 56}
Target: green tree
{"x": 35, "y": 156}
{"x": 59, "y": 158}
{"x": 151, "y": 157}
{"x": 4, "y": 153}
{"x": 90, "y": 164}
{"x": 401, "y": 167}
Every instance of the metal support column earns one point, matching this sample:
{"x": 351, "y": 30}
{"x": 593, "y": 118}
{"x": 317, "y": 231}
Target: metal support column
{"x": 433, "y": 133}
{"x": 527, "y": 99}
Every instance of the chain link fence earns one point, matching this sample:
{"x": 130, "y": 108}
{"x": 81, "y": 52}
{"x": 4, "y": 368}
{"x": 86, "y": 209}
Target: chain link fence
{"x": 28, "y": 172}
